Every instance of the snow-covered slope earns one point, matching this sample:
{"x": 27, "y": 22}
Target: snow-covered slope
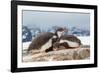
{"x": 25, "y": 45}
{"x": 85, "y": 40}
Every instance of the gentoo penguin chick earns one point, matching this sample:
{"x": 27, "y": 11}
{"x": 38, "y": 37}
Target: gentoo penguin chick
{"x": 44, "y": 41}
{"x": 67, "y": 41}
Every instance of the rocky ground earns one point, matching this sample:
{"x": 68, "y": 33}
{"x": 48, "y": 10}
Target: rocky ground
{"x": 60, "y": 55}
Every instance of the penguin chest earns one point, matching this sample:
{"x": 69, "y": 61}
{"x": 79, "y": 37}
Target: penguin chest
{"x": 47, "y": 45}
{"x": 70, "y": 43}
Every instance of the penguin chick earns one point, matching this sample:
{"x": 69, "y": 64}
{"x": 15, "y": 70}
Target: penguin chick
{"x": 67, "y": 41}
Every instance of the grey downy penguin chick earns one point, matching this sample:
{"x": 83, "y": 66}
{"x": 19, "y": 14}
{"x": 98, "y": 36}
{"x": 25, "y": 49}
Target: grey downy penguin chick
{"x": 68, "y": 41}
{"x": 44, "y": 41}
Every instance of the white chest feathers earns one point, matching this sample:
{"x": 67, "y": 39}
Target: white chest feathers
{"x": 54, "y": 37}
{"x": 47, "y": 45}
{"x": 59, "y": 34}
{"x": 70, "y": 43}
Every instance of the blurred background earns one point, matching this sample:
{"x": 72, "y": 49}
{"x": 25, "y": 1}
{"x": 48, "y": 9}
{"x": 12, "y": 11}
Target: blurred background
{"x": 35, "y": 22}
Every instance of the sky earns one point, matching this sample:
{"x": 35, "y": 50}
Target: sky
{"x": 45, "y": 19}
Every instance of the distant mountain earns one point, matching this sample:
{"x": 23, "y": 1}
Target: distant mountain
{"x": 79, "y": 32}
{"x": 26, "y": 34}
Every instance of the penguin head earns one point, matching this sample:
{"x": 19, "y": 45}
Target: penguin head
{"x": 60, "y": 31}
